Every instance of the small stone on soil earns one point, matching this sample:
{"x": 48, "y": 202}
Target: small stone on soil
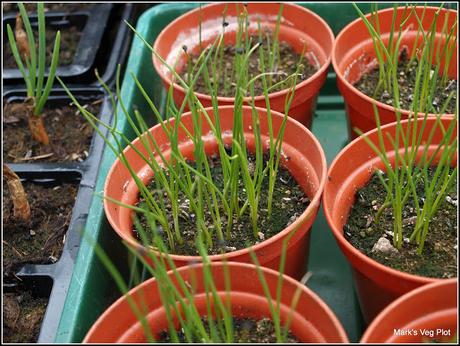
{"x": 383, "y": 245}
{"x": 452, "y": 201}
{"x": 409, "y": 221}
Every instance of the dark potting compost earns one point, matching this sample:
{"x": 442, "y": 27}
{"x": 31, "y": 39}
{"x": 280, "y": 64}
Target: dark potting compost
{"x": 406, "y": 81}
{"x": 41, "y": 239}
{"x": 245, "y": 330}
{"x": 439, "y": 257}
{"x": 69, "y": 132}
{"x": 22, "y": 316}
{"x": 289, "y": 202}
{"x": 70, "y": 37}
{"x": 225, "y": 74}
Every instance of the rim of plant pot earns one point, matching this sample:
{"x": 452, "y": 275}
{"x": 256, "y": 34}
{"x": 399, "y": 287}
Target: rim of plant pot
{"x": 315, "y": 166}
{"x": 244, "y": 293}
{"x": 326, "y": 50}
{"x": 338, "y": 68}
{"x": 329, "y": 202}
{"x": 410, "y": 308}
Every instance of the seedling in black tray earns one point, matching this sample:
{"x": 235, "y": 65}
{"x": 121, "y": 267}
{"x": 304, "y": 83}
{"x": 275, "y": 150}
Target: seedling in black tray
{"x": 21, "y": 205}
{"x": 81, "y": 36}
{"x": 29, "y": 56}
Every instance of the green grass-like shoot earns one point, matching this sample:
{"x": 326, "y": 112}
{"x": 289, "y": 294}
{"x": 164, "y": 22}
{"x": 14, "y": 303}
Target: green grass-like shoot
{"x": 425, "y": 50}
{"x": 176, "y": 176}
{"x": 34, "y": 61}
{"x": 405, "y": 174}
{"x": 177, "y": 293}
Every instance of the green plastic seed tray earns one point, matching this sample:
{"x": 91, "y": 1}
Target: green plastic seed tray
{"x": 92, "y": 290}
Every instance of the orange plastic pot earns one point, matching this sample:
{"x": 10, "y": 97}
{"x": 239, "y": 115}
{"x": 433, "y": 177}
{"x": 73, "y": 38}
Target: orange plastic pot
{"x": 312, "y": 320}
{"x": 376, "y": 284}
{"x": 303, "y": 157}
{"x": 425, "y": 313}
{"x": 298, "y": 27}
{"x": 354, "y": 51}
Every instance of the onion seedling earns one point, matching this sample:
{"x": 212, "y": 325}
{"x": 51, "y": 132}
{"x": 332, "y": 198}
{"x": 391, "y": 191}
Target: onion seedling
{"x": 26, "y": 55}
{"x": 21, "y": 208}
{"x": 181, "y": 188}
{"x": 223, "y": 72}
{"x": 402, "y": 180}
{"x": 177, "y": 294}
{"x": 425, "y": 51}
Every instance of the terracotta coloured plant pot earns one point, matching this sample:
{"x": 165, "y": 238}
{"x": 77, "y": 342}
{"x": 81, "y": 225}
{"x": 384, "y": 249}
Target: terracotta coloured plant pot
{"x": 304, "y": 158}
{"x": 298, "y": 27}
{"x": 431, "y": 309}
{"x": 353, "y": 52}
{"x": 376, "y": 284}
{"x": 312, "y": 321}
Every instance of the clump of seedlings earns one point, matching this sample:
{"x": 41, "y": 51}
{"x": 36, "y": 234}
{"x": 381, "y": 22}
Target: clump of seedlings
{"x": 234, "y": 192}
{"x": 31, "y": 59}
{"x": 186, "y": 323}
{"x": 277, "y": 59}
{"x": 42, "y": 127}
{"x": 419, "y": 75}
{"x": 406, "y": 215}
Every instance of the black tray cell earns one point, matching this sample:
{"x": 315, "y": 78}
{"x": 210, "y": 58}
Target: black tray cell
{"x": 25, "y": 302}
{"x": 40, "y": 241}
{"x": 81, "y": 34}
{"x": 116, "y": 43}
{"x": 58, "y": 98}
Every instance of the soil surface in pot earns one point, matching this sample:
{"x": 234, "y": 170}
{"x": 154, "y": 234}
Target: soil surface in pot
{"x": 407, "y": 79}
{"x": 439, "y": 258}
{"x": 22, "y": 317}
{"x": 287, "y": 65}
{"x": 69, "y": 132}
{"x": 40, "y": 240}
{"x": 246, "y": 330}
{"x": 289, "y": 202}
{"x": 57, "y": 7}
{"x": 70, "y": 37}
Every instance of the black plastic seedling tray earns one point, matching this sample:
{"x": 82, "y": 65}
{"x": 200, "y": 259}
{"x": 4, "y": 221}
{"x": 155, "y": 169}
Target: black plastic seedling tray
{"x": 85, "y": 174}
{"x": 60, "y": 97}
{"x": 116, "y": 43}
{"x": 92, "y": 22}
{"x": 108, "y": 47}
{"x": 52, "y": 280}
{"x": 48, "y": 7}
